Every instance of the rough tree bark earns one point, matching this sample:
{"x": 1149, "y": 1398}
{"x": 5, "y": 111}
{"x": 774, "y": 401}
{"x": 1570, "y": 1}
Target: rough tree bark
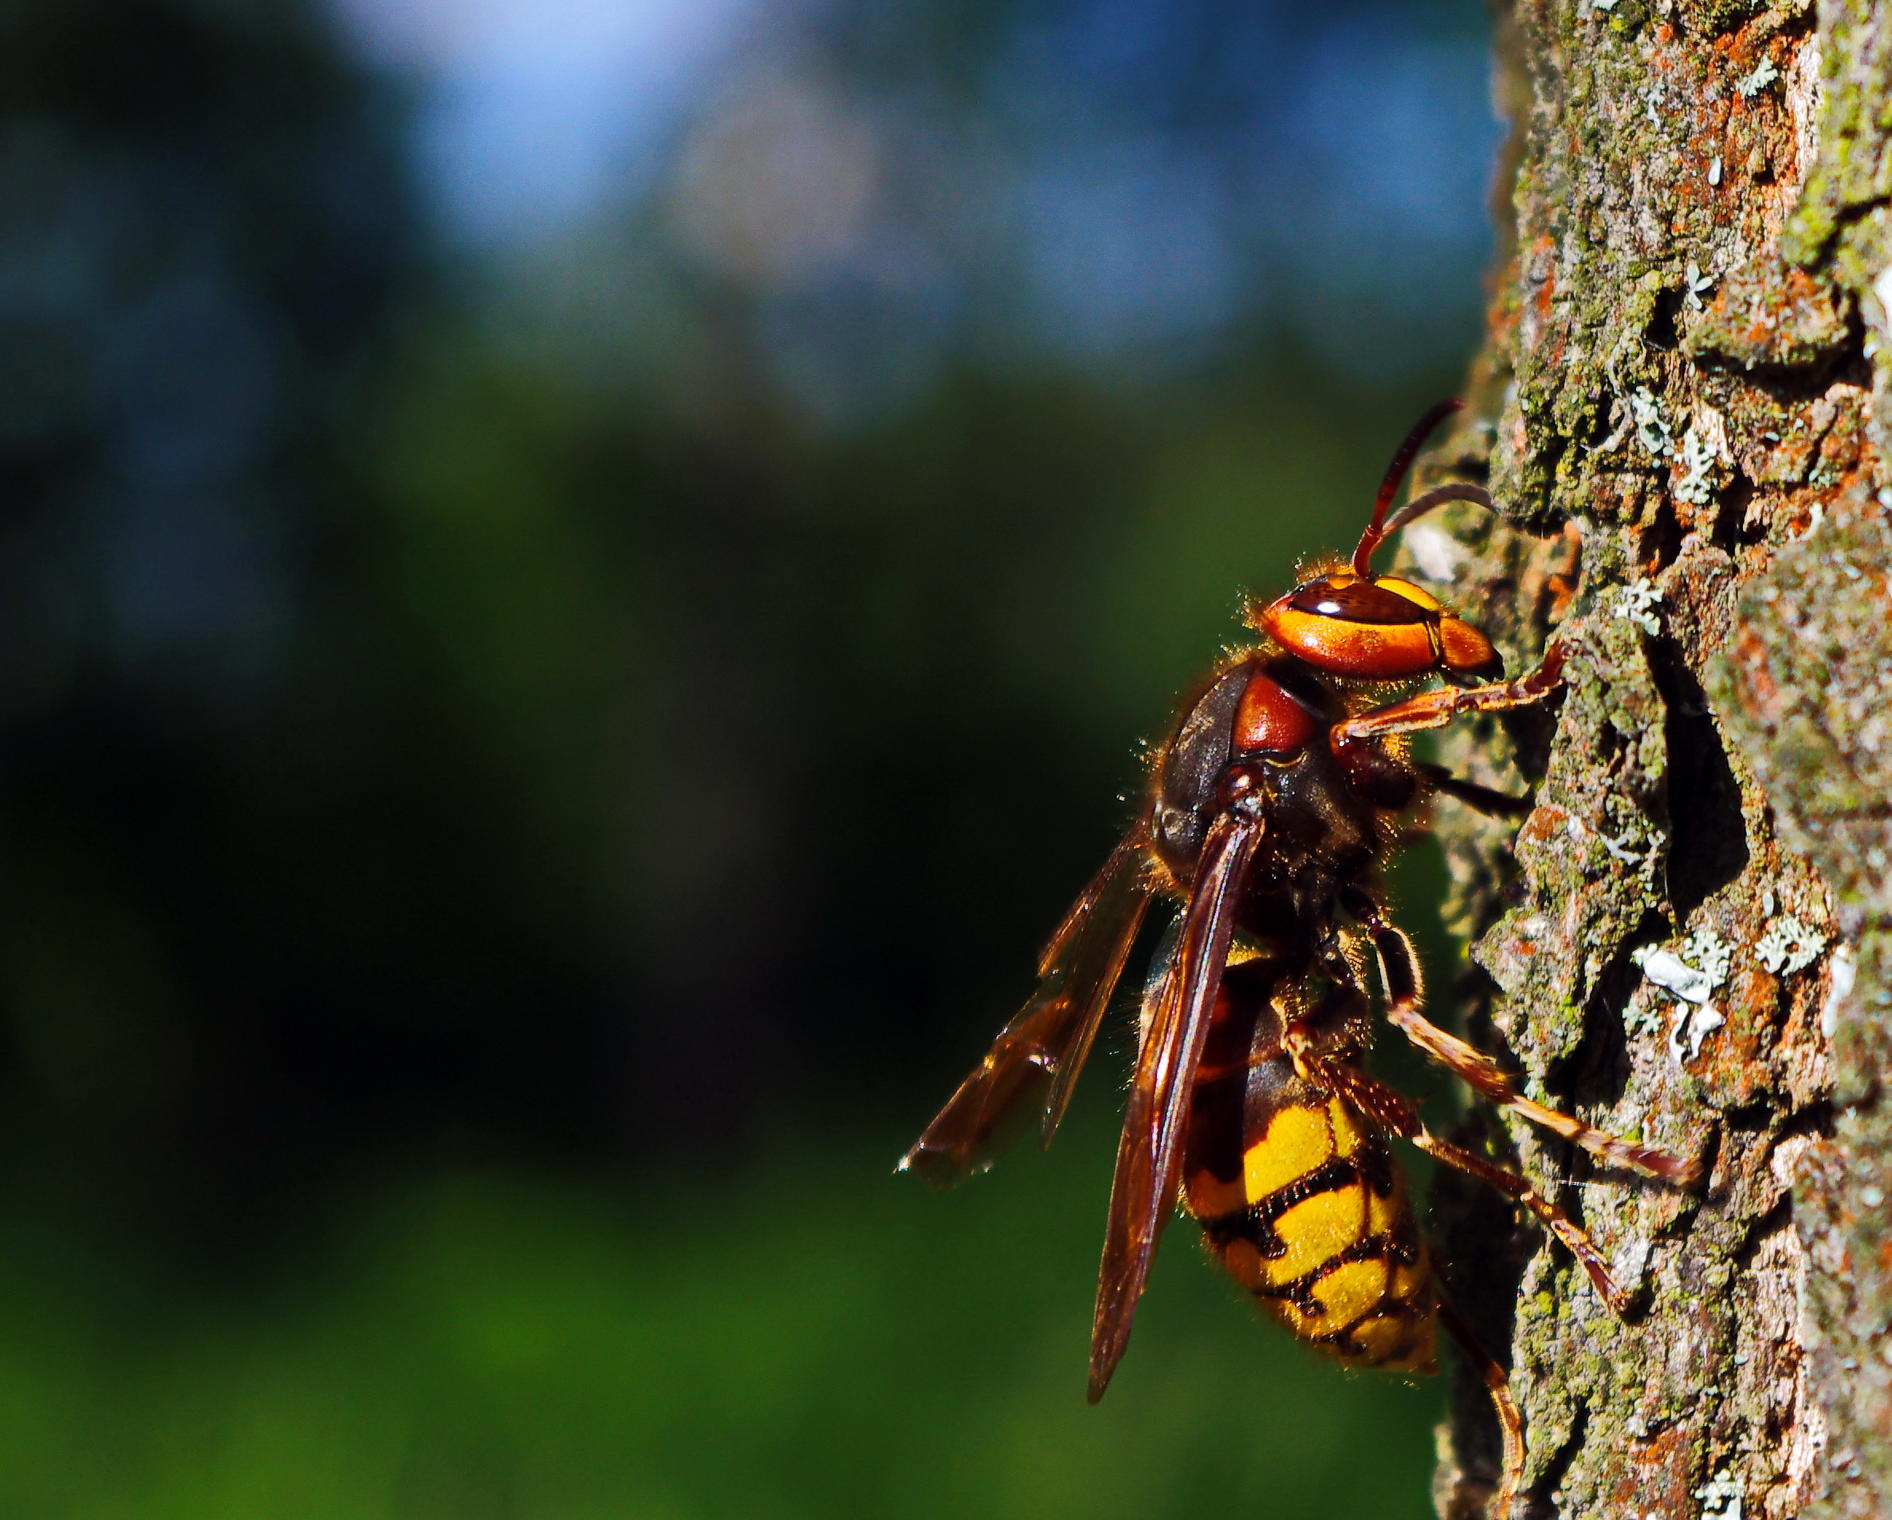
{"x": 1683, "y": 410}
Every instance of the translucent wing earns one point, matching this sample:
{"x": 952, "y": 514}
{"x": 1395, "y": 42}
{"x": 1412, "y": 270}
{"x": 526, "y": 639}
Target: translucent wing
{"x": 1149, "y": 1155}
{"x": 1037, "y": 1056}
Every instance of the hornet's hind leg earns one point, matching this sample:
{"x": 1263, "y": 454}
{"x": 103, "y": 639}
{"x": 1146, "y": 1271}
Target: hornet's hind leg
{"x": 1498, "y": 1389}
{"x": 1395, "y": 1113}
{"x": 1401, "y": 976}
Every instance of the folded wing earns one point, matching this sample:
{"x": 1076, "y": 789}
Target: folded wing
{"x": 1034, "y": 1063}
{"x": 1149, "y": 1155}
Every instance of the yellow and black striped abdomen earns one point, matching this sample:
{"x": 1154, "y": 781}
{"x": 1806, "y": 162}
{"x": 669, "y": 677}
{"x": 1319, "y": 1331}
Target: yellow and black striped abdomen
{"x": 1311, "y": 1215}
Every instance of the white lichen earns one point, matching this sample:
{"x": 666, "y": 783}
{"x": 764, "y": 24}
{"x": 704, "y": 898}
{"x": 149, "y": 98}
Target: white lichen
{"x": 1699, "y": 462}
{"x": 1691, "y": 978}
{"x": 1638, "y": 603}
{"x": 1711, "y": 952}
{"x": 1764, "y": 74}
{"x": 1721, "y": 1497}
{"x": 1788, "y": 945}
{"x": 1641, "y": 853}
{"x": 1645, "y": 414}
{"x": 1642, "y": 1019}
{"x": 1625, "y": 835}
{"x": 1693, "y": 1024}
{"x": 1839, "y": 988}
{"x": 1695, "y": 284}
{"x": 1672, "y": 974}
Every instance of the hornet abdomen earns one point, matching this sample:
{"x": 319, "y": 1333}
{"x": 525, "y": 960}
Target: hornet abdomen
{"x": 1299, "y": 1198}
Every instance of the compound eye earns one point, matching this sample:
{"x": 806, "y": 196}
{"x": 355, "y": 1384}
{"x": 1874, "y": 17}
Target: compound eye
{"x": 1363, "y": 601}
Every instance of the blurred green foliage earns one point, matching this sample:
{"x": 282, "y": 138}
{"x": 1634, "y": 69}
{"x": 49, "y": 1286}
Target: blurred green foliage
{"x": 799, "y": 1341}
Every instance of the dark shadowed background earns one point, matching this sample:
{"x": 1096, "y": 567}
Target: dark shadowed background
{"x": 578, "y": 583}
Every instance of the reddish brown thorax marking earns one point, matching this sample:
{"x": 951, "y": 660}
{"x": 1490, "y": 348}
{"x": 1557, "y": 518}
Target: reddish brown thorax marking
{"x": 1270, "y": 719}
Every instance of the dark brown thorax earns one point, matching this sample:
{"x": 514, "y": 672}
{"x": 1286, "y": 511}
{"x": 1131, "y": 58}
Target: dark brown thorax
{"x": 1321, "y": 829}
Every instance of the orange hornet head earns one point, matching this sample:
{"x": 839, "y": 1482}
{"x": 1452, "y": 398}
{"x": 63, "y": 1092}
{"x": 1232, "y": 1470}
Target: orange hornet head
{"x": 1378, "y": 627}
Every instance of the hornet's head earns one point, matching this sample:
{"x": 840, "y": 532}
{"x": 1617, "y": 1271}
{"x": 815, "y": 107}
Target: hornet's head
{"x": 1351, "y": 622}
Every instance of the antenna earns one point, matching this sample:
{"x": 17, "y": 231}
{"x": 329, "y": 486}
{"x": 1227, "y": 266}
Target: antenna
{"x": 1376, "y": 532}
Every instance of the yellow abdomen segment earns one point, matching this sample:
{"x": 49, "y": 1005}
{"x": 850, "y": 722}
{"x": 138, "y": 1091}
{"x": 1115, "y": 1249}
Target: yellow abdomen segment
{"x": 1318, "y": 1227}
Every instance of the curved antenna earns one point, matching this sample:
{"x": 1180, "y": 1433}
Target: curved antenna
{"x": 1376, "y": 532}
{"x": 1438, "y": 496}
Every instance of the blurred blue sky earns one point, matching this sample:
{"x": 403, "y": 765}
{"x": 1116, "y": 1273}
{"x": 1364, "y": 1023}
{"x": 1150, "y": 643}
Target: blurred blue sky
{"x": 897, "y": 186}
{"x": 537, "y": 117}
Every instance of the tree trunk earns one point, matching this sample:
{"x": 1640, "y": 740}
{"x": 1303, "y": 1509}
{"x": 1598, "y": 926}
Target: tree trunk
{"x": 1683, "y": 409}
